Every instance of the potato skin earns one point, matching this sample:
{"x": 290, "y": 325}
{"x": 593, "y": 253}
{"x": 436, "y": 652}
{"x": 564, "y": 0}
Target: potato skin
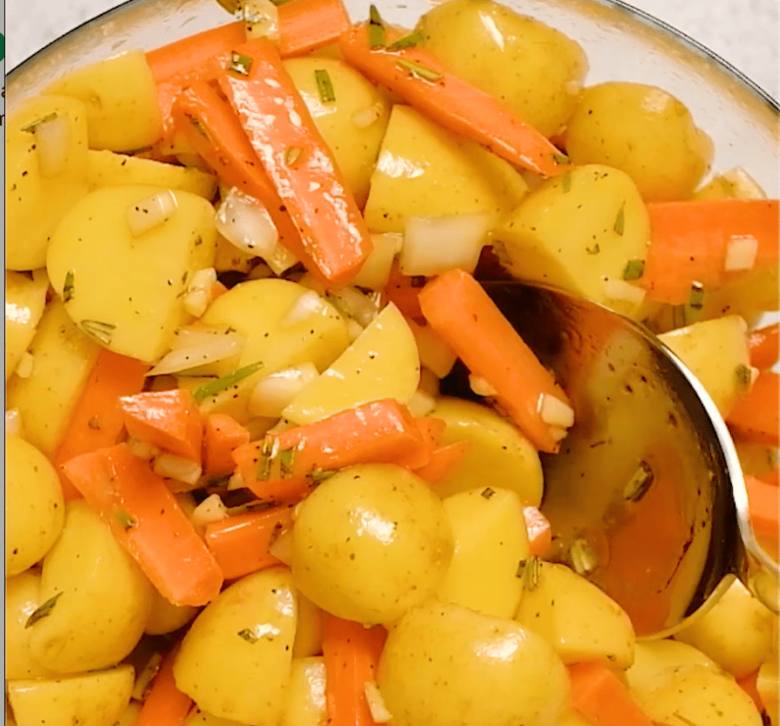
{"x": 371, "y": 542}
{"x": 643, "y": 131}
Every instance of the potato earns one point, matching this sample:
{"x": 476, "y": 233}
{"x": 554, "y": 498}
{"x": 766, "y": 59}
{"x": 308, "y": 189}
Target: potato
{"x": 576, "y": 230}
{"x": 129, "y": 716}
{"x": 165, "y": 617}
{"x": 107, "y": 169}
{"x": 747, "y": 296}
{"x": 202, "y": 718}
{"x": 308, "y": 633}
{"x": 643, "y": 131}
{"x": 381, "y": 363}
{"x": 498, "y": 454}
{"x": 736, "y": 632}
{"x": 444, "y": 665}
{"x": 25, "y": 299}
{"x": 34, "y": 506}
{"x": 22, "y": 599}
{"x": 89, "y": 699}
{"x": 696, "y": 696}
{"x": 423, "y": 170}
{"x": 370, "y": 542}
{"x": 766, "y": 685}
{"x": 736, "y": 183}
{"x": 355, "y": 147}
{"x": 536, "y": 70}
{"x": 63, "y": 357}
{"x": 580, "y": 621}
{"x": 100, "y": 598}
{"x": 136, "y": 312}
{"x": 235, "y": 660}
{"x": 655, "y": 661}
{"x": 120, "y": 96}
{"x": 306, "y": 694}
{"x": 490, "y": 542}
{"x": 716, "y": 352}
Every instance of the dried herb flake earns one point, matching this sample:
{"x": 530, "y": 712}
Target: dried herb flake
{"x": 43, "y": 611}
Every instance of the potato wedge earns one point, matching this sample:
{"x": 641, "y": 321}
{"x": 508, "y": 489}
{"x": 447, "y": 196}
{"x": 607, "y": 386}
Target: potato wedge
{"x": 25, "y": 299}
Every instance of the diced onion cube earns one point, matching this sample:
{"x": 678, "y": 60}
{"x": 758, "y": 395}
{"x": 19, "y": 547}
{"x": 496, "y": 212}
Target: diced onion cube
{"x": 216, "y": 348}
{"x": 304, "y": 307}
{"x": 480, "y": 386}
{"x": 620, "y": 290}
{"x": 555, "y": 412}
{"x": 434, "y": 353}
{"x": 199, "y": 291}
{"x": 375, "y": 272}
{"x": 273, "y": 393}
{"x": 24, "y": 368}
{"x": 376, "y": 704}
{"x": 13, "y": 422}
{"x": 354, "y": 329}
{"x": 142, "y": 449}
{"x": 421, "y": 403}
{"x": 352, "y": 303}
{"x": 52, "y": 142}
{"x": 151, "y": 212}
{"x": 282, "y": 547}
{"x": 236, "y": 481}
{"x": 741, "y": 253}
{"x": 211, "y": 509}
{"x": 367, "y": 116}
{"x": 429, "y": 382}
{"x": 175, "y": 467}
{"x": 261, "y": 17}
{"x": 146, "y": 676}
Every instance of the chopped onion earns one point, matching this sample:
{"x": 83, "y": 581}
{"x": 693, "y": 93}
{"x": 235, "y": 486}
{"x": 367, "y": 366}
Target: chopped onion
{"x": 429, "y": 382}
{"x": 745, "y": 187}
{"x": 421, "y": 403}
{"x": 354, "y": 304}
{"x": 555, "y": 412}
{"x": 304, "y": 307}
{"x": 616, "y": 289}
{"x": 376, "y": 704}
{"x": 480, "y": 386}
{"x": 236, "y": 481}
{"x": 211, "y": 509}
{"x": 280, "y": 426}
{"x": 24, "y": 368}
{"x": 312, "y": 283}
{"x": 282, "y": 547}
{"x": 145, "y": 677}
{"x": 741, "y": 253}
{"x": 142, "y": 449}
{"x": 558, "y": 434}
{"x": 434, "y": 353}
{"x": 261, "y": 17}
{"x": 151, "y": 212}
{"x": 354, "y": 329}
{"x": 52, "y": 143}
{"x": 175, "y": 467}
{"x": 216, "y": 348}
{"x": 196, "y": 302}
{"x": 13, "y": 422}
{"x": 273, "y": 393}
{"x": 367, "y": 116}
{"x": 375, "y": 272}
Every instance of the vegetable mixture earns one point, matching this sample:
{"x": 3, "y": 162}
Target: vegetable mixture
{"x": 242, "y": 271}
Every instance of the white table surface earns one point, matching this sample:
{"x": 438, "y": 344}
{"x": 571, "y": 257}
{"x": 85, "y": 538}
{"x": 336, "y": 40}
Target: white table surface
{"x": 744, "y": 32}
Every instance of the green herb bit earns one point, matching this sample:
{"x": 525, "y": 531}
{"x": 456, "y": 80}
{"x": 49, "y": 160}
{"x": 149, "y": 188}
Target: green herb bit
{"x": 43, "y": 611}
{"x": 583, "y": 558}
{"x": 560, "y": 158}
{"x": 530, "y": 570}
{"x": 248, "y": 636}
{"x": 318, "y": 476}
{"x": 634, "y": 269}
{"x": 292, "y": 154}
{"x": 487, "y": 492}
{"x": 99, "y": 330}
{"x": 287, "y": 462}
{"x": 696, "y": 301}
{"x": 125, "y": 519}
{"x": 35, "y": 124}
{"x": 376, "y": 29}
{"x": 240, "y": 63}
{"x": 640, "y": 483}
{"x": 620, "y": 221}
{"x": 264, "y": 465}
{"x": 68, "y": 287}
{"x": 566, "y": 182}
{"x": 418, "y": 70}
{"x": 593, "y": 250}
{"x": 324, "y": 86}
{"x": 212, "y": 388}
{"x": 744, "y": 376}
{"x": 407, "y": 41}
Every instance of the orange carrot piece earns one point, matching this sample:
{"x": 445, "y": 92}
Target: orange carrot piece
{"x": 169, "y": 420}
{"x": 240, "y": 544}
{"x": 443, "y": 460}
{"x": 97, "y": 420}
{"x": 165, "y": 705}
{"x": 539, "y": 532}
{"x": 147, "y": 521}
{"x": 450, "y": 101}
{"x": 764, "y": 504}
{"x": 689, "y": 241}
{"x": 404, "y": 292}
{"x": 221, "y": 435}
{"x": 771, "y": 477}
{"x": 217, "y": 290}
{"x": 298, "y": 161}
{"x": 351, "y": 653}
{"x": 600, "y": 696}
{"x": 431, "y": 430}
{"x": 305, "y": 25}
{"x": 755, "y": 416}
{"x": 749, "y": 684}
{"x": 462, "y": 313}
{"x": 764, "y": 347}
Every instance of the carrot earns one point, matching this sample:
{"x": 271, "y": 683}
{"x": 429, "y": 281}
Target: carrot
{"x": 600, "y": 696}
{"x": 241, "y": 543}
{"x": 764, "y": 347}
{"x": 165, "y": 705}
{"x": 147, "y": 521}
{"x": 443, "y": 460}
{"x": 421, "y": 81}
{"x": 221, "y": 434}
{"x": 755, "y": 416}
{"x": 539, "y": 532}
{"x": 169, "y": 420}
{"x": 771, "y": 477}
{"x": 297, "y": 160}
{"x": 97, "y": 419}
{"x": 689, "y": 242}
{"x": 305, "y": 25}
{"x": 404, "y": 292}
{"x": 351, "y": 653}
{"x": 764, "y": 505}
{"x": 462, "y": 313}
{"x": 430, "y": 429}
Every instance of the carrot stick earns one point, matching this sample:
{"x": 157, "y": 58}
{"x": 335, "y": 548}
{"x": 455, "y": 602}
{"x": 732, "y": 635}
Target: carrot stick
{"x": 221, "y": 435}
{"x": 764, "y": 347}
{"x": 462, "y": 313}
{"x": 771, "y": 477}
{"x": 297, "y": 160}
{"x": 764, "y": 504}
{"x": 169, "y": 420}
{"x": 165, "y": 705}
{"x": 421, "y": 81}
{"x": 351, "y": 653}
{"x": 431, "y": 430}
{"x": 240, "y": 544}
{"x": 305, "y": 25}
{"x": 600, "y": 696}
{"x": 97, "y": 420}
{"x": 404, "y": 292}
{"x": 539, "y": 532}
{"x": 755, "y": 416}
{"x": 689, "y": 242}
{"x": 147, "y": 521}
{"x": 443, "y": 460}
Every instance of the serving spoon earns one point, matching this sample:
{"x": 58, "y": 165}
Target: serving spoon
{"x": 646, "y": 497}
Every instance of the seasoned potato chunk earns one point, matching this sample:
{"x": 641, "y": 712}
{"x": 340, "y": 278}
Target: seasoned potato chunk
{"x": 25, "y": 299}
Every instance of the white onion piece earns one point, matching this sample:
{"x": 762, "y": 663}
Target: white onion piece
{"x": 142, "y": 449}
{"x": 175, "y": 467}
{"x": 354, "y": 304}
{"x": 304, "y": 307}
{"x": 480, "y": 386}
{"x": 433, "y": 245}
{"x": 199, "y": 291}
{"x": 13, "y": 422}
{"x": 367, "y": 116}
{"x": 620, "y": 290}
{"x": 261, "y": 17}
{"x": 354, "y": 329}
{"x": 558, "y": 434}
{"x": 429, "y": 382}
{"x": 375, "y": 272}
{"x": 24, "y": 368}
{"x": 434, "y": 353}
{"x": 145, "y": 677}
{"x": 555, "y": 412}
{"x": 151, "y": 212}
{"x": 421, "y": 403}
{"x": 236, "y": 481}
{"x": 282, "y": 547}
{"x": 376, "y": 704}
{"x": 52, "y": 142}
{"x": 272, "y": 394}
{"x": 211, "y": 509}
{"x": 741, "y": 253}
{"x": 219, "y": 347}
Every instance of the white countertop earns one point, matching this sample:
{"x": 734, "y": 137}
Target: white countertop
{"x": 744, "y": 32}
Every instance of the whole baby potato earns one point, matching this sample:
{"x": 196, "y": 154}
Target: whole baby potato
{"x": 643, "y": 131}
{"x": 371, "y": 542}
{"x": 446, "y": 665}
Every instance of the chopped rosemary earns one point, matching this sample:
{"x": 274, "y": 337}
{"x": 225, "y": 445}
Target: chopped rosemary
{"x": 43, "y": 611}
{"x": 583, "y": 558}
{"x": 248, "y": 635}
{"x": 418, "y": 70}
{"x": 35, "y": 124}
{"x": 530, "y": 570}
{"x": 240, "y": 63}
{"x": 264, "y": 464}
{"x": 640, "y": 483}
{"x": 593, "y": 250}
{"x": 324, "y": 86}
{"x": 212, "y": 388}
{"x": 634, "y": 269}
{"x": 487, "y": 492}
{"x": 744, "y": 376}
{"x": 68, "y": 287}
{"x": 125, "y": 519}
{"x": 620, "y": 221}
{"x": 566, "y": 182}
{"x": 98, "y": 330}
{"x": 560, "y": 158}
{"x": 696, "y": 301}
{"x": 376, "y": 29}
{"x": 287, "y": 462}
{"x": 407, "y": 41}
{"x": 292, "y": 154}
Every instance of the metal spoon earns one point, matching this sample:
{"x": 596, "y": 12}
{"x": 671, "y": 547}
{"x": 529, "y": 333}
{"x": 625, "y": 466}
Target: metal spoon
{"x": 646, "y": 497}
